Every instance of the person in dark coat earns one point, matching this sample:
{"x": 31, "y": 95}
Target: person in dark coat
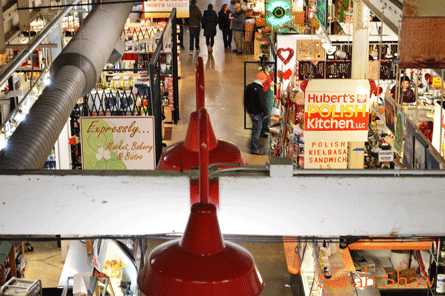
{"x": 195, "y": 19}
{"x": 255, "y": 104}
{"x": 224, "y": 25}
{"x": 209, "y": 22}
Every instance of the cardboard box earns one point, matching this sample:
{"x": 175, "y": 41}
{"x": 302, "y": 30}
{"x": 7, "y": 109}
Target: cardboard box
{"x": 400, "y": 276}
{"x": 363, "y": 262}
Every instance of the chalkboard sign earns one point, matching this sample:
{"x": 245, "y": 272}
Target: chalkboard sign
{"x": 321, "y": 12}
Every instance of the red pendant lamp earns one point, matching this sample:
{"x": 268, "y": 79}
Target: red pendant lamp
{"x": 201, "y": 263}
{"x": 184, "y": 155}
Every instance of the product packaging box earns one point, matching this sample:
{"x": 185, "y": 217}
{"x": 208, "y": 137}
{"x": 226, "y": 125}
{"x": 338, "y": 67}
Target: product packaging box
{"x": 407, "y": 274}
{"x": 363, "y": 262}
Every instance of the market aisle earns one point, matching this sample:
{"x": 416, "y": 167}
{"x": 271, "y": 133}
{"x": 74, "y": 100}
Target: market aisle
{"x": 224, "y": 86}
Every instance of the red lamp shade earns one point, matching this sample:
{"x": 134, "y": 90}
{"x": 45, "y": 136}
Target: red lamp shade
{"x": 201, "y": 263}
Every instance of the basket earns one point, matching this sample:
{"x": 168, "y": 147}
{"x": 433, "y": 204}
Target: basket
{"x": 249, "y": 26}
{"x": 260, "y": 22}
{"x": 249, "y": 13}
{"x": 248, "y": 36}
{"x": 248, "y": 47}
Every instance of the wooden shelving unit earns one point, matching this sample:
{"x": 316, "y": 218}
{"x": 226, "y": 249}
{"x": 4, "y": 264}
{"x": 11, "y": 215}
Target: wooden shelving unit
{"x": 8, "y": 257}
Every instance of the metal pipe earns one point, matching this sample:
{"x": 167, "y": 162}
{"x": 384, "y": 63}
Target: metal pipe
{"x": 23, "y": 55}
{"x": 75, "y": 72}
{"x": 200, "y": 88}
{"x": 204, "y": 156}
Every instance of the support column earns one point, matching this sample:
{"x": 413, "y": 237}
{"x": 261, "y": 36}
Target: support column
{"x": 360, "y": 57}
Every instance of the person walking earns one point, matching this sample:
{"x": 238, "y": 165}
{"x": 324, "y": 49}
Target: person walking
{"x": 209, "y": 23}
{"x": 195, "y": 18}
{"x": 238, "y": 18}
{"x": 255, "y": 104}
{"x": 224, "y": 25}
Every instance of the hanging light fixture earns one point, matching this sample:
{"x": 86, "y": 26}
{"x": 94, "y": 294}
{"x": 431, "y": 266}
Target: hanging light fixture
{"x": 201, "y": 262}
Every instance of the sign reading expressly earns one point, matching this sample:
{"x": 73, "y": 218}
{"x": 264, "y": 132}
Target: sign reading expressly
{"x": 118, "y": 143}
{"x": 336, "y": 112}
{"x": 162, "y": 8}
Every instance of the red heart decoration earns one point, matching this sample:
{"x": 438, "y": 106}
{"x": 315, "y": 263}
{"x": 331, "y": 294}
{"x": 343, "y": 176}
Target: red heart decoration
{"x": 289, "y": 57}
{"x": 287, "y": 74}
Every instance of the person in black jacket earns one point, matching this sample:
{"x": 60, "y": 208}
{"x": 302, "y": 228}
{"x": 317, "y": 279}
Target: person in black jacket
{"x": 255, "y": 104}
{"x": 195, "y": 19}
{"x": 209, "y": 22}
{"x": 224, "y": 25}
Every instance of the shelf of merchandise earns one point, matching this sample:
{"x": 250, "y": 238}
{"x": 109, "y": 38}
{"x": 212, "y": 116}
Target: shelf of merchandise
{"x": 8, "y": 260}
{"x": 386, "y": 245}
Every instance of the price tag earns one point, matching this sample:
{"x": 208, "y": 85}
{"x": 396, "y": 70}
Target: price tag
{"x": 386, "y": 155}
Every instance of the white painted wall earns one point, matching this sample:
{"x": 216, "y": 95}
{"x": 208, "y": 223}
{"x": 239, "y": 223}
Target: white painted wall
{"x": 305, "y": 205}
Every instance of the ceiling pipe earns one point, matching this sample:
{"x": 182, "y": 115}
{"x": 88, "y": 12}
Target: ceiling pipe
{"x": 74, "y": 74}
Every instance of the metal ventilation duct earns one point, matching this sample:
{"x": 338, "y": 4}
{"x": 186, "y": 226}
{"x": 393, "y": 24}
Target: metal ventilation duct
{"x": 74, "y": 74}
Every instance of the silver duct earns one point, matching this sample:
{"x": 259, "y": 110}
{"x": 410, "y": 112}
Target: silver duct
{"x": 74, "y": 74}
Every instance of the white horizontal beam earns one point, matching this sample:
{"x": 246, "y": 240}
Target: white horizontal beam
{"x": 301, "y": 205}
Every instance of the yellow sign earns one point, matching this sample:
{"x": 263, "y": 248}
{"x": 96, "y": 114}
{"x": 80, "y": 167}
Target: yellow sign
{"x": 436, "y": 82}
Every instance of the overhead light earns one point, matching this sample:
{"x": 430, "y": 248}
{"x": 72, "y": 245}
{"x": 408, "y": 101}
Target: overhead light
{"x": 340, "y": 54}
{"x": 23, "y": 39}
{"x": 330, "y": 49}
{"x": 3, "y": 144}
{"x": 201, "y": 262}
{"x": 20, "y": 116}
{"x": 47, "y": 81}
{"x": 388, "y": 52}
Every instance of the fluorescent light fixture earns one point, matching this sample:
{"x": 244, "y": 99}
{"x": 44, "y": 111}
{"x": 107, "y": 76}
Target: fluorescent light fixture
{"x": 3, "y": 144}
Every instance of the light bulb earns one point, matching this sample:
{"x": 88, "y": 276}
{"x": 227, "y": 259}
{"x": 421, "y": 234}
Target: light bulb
{"x": 47, "y": 81}
{"x": 3, "y": 144}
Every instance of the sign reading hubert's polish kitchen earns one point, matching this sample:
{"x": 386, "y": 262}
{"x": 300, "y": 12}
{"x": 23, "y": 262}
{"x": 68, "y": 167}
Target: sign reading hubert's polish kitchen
{"x": 118, "y": 143}
{"x": 336, "y": 112}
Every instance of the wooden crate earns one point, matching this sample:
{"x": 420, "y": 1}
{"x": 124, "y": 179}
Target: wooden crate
{"x": 248, "y": 36}
{"x": 248, "y": 47}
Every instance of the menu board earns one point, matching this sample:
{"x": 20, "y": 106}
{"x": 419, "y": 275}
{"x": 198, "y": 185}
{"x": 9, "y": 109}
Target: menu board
{"x": 324, "y": 69}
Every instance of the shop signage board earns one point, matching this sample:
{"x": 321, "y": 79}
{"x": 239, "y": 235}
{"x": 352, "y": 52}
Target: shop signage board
{"x": 162, "y": 8}
{"x": 118, "y": 143}
{"x": 386, "y": 155}
{"x": 325, "y": 154}
{"x": 336, "y": 112}
{"x": 337, "y": 109}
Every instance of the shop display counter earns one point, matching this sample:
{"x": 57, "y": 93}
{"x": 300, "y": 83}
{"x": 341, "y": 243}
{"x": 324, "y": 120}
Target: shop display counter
{"x": 77, "y": 261}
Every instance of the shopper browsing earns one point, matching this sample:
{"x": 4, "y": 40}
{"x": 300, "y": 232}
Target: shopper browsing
{"x": 238, "y": 18}
{"x": 195, "y": 19}
{"x": 224, "y": 25}
{"x": 255, "y": 104}
{"x": 209, "y": 22}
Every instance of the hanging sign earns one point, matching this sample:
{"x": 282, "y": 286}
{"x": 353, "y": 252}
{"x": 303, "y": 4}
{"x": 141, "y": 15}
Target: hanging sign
{"x": 118, "y": 143}
{"x": 321, "y": 12}
{"x": 162, "y": 8}
{"x": 337, "y": 109}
